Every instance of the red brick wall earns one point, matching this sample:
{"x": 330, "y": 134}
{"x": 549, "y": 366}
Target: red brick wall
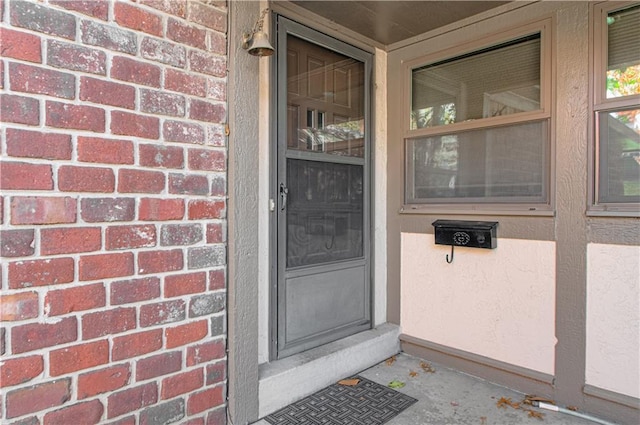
{"x": 113, "y": 211}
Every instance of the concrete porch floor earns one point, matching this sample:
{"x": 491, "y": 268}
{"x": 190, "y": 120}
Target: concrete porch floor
{"x": 447, "y": 396}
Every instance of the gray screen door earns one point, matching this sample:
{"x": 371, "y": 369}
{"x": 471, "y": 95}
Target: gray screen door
{"x": 323, "y": 267}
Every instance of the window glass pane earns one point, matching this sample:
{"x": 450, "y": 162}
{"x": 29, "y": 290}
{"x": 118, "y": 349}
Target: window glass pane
{"x": 324, "y": 212}
{"x": 504, "y": 164}
{"x": 325, "y": 100}
{"x": 500, "y": 80}
{"x": 623, "y": 59}
{"x": 620, "y": 156}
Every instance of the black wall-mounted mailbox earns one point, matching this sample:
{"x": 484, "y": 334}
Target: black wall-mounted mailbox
{"x": 473, "y": 234}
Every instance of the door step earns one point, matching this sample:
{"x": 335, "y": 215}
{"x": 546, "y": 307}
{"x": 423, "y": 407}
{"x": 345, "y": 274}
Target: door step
{"x": 285, "y": 381}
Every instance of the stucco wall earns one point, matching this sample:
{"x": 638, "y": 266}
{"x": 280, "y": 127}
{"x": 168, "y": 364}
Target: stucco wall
{"x": 613, "y": 318}
{"x": 560, "y": 294}
{"x": 496, "y": 303}
{"x": 379, "y": 181}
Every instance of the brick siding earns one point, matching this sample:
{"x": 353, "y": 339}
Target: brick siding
{"x": 113, "y": 179}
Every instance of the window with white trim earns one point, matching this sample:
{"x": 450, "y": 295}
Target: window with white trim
{"x": 478, "y": 130}
{"x": 616, "y": 108}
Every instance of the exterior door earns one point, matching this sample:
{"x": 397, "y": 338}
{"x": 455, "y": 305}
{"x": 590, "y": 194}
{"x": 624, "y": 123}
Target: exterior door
{"x": 322, "y": 186}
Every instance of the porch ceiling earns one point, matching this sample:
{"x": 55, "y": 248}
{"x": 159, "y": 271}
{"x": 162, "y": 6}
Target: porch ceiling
{"x": 389, "y": 22}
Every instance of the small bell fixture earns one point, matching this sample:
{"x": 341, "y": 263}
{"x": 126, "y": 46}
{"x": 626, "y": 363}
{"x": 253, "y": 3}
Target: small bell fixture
{"x": 257, "y": 42}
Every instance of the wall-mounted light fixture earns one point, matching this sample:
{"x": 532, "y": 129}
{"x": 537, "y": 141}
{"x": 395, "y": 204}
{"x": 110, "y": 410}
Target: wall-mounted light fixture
{"x": 256, "y": 42}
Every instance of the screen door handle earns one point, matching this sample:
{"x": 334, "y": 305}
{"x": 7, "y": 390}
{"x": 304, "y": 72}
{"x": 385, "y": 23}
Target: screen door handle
{"x": 284, "y": 191}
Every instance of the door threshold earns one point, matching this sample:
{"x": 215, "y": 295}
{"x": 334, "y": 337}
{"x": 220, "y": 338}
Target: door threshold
{"x": 288, "y": 380}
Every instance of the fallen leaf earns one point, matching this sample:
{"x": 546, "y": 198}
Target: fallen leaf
{"x": 572, "y": 408}
{"x": 529, "y": 399}
{"x": 504, "y": 402}
{"x": 534, "y": 414}
{"x": 483, "y": 420}
{"x": 427, "y": 367}
{"x": 413, "y": 374}
{"x": 396, "y": 384}
{"x": 349, "y": 382}
{"x": 391, "y": 360}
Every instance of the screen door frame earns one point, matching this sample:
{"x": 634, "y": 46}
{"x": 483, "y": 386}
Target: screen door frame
{"x": 282, "y": 28}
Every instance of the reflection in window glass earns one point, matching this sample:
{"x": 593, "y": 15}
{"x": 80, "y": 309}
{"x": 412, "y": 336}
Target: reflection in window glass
{"x": 500, "y": 80}
{"x": 623, "y": 47}
{"x": 503, "y": 164}
{"x": 433, "y": 115}
{"x": 325, "y": 100}
{"x": 620, "y": 161}
{"x": 617, "y": 132}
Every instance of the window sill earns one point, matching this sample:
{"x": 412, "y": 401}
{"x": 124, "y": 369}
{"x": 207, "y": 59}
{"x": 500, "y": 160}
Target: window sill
{"x": 613, "y": 212}
{"x": 492, "y": 210}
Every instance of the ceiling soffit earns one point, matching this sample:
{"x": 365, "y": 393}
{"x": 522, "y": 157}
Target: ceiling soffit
{"x": 390, "y": 22}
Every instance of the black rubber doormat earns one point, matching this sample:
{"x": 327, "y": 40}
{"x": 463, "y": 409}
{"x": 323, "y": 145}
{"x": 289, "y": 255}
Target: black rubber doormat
{"x": 365, "y": 403}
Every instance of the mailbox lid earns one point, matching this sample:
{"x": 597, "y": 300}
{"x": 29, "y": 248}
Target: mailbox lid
{"x": 465, "y": 225}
